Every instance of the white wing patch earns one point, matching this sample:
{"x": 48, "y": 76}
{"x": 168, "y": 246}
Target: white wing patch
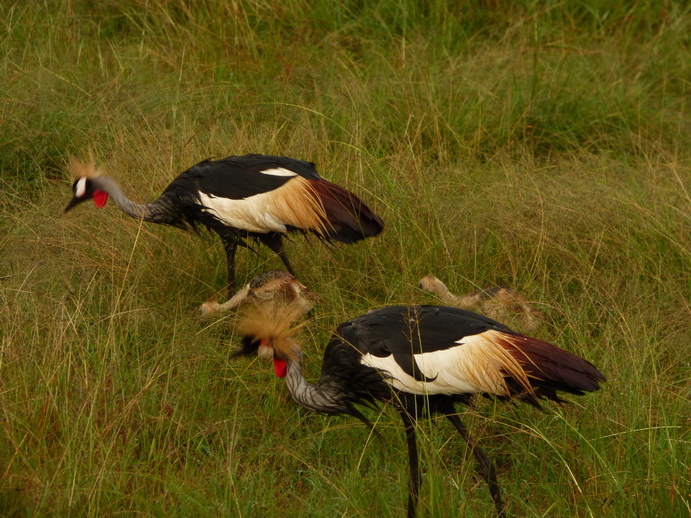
{"x": 253, "y": 213}
{"x": 293, "y": 204}
{"x": 279, "y": 171}
{"x": 473, "y": 366}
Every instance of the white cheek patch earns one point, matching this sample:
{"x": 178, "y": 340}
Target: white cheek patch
{"x": 80, "y": 188}
{"x": 265, "y": 351}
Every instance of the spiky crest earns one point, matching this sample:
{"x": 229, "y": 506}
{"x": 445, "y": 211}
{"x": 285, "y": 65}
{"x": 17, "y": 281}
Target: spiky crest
{"x": 79, "y": 169}
{"x": 272, "y": 323}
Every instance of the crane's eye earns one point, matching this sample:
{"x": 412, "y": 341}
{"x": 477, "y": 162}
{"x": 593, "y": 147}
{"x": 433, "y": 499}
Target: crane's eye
{"x": 80, "y": 188}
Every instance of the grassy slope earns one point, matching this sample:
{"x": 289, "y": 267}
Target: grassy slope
{"x": 541, "y": 148}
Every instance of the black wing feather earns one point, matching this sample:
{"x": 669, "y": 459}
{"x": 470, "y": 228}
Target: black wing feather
{"x": 239, "y": 177}
{"x": 234, "y": 177}
{"x": 403, "y": 331}
{"x": 413, "y": 329}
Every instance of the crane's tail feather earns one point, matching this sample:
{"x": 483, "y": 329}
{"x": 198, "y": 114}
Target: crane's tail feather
{"x": 348, "y": 219}
{"x": 548, "y": 368}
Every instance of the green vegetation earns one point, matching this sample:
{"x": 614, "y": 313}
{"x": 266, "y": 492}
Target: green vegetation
{"x": 544, "y": 146}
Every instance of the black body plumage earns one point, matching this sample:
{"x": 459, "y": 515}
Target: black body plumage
{"x": 255, "y": 197}
{"x": 240, "y": 177}
{"x": 232, "y": 178}
{"x": 427, "y": 359}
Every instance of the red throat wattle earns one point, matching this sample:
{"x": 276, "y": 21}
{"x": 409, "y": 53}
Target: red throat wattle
{"x": 280, "y": 367}
{"x": 100, "y": 198}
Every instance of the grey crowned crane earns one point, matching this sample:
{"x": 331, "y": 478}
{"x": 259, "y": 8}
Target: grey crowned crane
{"x": 257, "y": 197}
{"x": 496, "y": 302}
{"x": 273, "y": 287}
{"x": 417, "y": 357}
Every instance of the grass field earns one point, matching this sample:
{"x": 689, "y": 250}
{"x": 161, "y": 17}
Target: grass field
{"x": 544, "y": 146}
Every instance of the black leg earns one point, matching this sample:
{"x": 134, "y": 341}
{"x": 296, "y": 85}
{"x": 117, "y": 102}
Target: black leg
{"x": 412, "y": 462}
{"x": 275, "y": 242}
{"x": 230, "y": 246}
{"x": 487, "y": 470}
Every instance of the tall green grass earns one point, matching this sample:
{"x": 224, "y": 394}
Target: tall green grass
{"x": 541, "y": 146}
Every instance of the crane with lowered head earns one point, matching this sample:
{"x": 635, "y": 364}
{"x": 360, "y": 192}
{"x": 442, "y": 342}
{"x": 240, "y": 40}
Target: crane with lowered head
{"x": 256, "y": 197}
{"x": 416, "y": 358}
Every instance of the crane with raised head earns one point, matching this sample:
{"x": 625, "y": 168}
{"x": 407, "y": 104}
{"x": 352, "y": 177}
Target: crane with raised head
{"x": 255, "y": 197}
{"x": 416, "y": 358}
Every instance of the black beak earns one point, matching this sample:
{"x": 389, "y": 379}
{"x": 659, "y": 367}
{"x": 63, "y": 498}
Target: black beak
{"x": 249, "y": 347}
{"x": 72, "y": 204}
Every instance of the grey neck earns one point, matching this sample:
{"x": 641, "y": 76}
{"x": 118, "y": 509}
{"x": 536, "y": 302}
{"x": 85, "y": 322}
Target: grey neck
{"x": 111, "y": 187}
{"x": 320, "y": 397}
